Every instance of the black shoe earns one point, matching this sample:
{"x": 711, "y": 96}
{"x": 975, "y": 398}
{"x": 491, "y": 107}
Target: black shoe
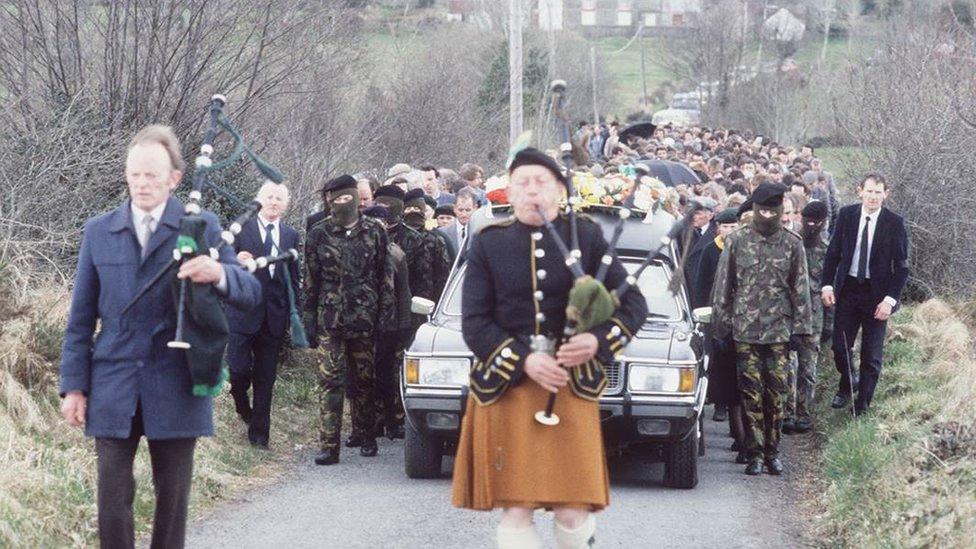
{"x": 736, "y": 447}
{"x": 721, "y": 414}
{"x": 327, "y": 457}
{"x": 741, "y": 458}
{"x": 368, "y": 449}
{"x": 774, "y": 466}
{"x": 258, "y": 442}
{"x": 754, "y": 467}
{"x": 840, "y": 401}
{"x": 245, "y": 416}
{"x": 789, "y": 427}
{"x": 394, "y": 432}
{"x": 802, "y": 426}
{"x": 354, "y": 441}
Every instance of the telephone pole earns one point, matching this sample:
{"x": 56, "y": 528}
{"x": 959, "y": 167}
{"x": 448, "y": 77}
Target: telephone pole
{"x": 596, "y": 113}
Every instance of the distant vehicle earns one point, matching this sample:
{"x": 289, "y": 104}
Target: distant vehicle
{"x": 683, "y": 110}
{"x": 652, "y": 405}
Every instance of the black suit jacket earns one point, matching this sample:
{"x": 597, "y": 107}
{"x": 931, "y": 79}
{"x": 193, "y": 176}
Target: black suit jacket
{"x": 274, "y": 295}
{"x": 692, "y": 260}
{"x": 888, "y": 263}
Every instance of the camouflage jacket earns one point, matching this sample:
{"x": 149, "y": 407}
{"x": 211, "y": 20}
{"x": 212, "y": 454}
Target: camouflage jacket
{"x": 762, "y": 291}
{"x": 815, "y": 263}
{"x": 427, "y": 260}
{"x": 348, "y": 279}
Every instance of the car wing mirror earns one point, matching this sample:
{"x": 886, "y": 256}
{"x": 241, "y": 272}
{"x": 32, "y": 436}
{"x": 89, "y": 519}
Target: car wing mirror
{"x": 702, "y": 315}
{"x": 421, "y": 306}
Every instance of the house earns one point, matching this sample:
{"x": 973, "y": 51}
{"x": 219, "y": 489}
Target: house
{"x": 609, "y": 17}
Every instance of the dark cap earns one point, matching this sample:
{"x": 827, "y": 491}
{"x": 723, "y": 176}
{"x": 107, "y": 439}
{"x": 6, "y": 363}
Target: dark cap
{"x": 391, "y": 191}
{"x": 530, "y": 156}
{"x": 815, "y": 210}
{"x": 769, "y": 195}
{"x": 413, "y": 194}
{"x": 446, "y": 209}
{"x": 728, "y": 215}
{"x": 377, "y": 211}
{"x": 745, "y": 207}
{"x": 340, "y": 183}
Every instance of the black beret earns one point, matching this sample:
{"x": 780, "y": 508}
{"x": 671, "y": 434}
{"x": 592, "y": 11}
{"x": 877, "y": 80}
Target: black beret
{"x": 530, "y": 156}
{"x": 815, "y": 210}
{"x": 378, "y": 211}
{"x": 769, "y": 195}
{"x": 728, "y": 215}
{"x": 413, "y": 194}
{"x": 446, "y": 209}
{"x": 745, "y": 207}
{"x": 391, "y": 191}
{"x": 340, "y": 183}
{"x": 430, "y": 202}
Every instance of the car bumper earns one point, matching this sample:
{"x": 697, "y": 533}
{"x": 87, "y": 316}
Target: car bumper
{"x": 626, "y": 418}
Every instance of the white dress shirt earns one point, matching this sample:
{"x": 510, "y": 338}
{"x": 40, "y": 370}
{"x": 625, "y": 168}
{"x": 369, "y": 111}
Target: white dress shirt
{"x": 275, "y": 238}
{"x": 872, "y": 220}
{"x": 462, "y": 232}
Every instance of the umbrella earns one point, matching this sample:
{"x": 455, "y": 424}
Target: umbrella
{"x": 671, "y": 173}
{"x": 641, "y": 129}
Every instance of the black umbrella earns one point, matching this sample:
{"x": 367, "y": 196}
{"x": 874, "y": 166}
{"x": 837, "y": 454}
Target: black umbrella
{"x": 641, "y": 129}
{"x": 671, "y": 173}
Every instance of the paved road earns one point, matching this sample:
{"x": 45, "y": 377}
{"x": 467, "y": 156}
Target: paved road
{"x": 369, "y": 502}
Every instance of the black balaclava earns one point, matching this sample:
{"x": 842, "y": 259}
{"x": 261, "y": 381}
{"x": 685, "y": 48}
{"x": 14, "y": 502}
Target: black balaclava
{"x": 348, "y": 213}
{"x": 767, "y": 226}
{"x": 414, "y": 218}
{"x": 395, "y": 205}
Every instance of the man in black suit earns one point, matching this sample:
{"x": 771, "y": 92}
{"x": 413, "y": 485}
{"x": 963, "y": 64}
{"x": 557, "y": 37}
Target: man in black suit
{"x": 698, "y": 236}
{"x": 865, "y": 271}
{"x": 256, "y": 335}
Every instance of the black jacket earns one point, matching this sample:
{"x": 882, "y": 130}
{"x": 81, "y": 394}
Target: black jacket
{"x": 888, "y": 262}
{"x": 704, "y": 275}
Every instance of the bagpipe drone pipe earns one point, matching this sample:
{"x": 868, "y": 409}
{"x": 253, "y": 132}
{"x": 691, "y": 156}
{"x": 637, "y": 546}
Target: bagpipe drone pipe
{"x": 201, "y": 325}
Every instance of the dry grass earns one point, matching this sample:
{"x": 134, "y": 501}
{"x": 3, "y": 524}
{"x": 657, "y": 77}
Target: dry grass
{"x": 47, "y": 470}
{"x": 905, "y": 476}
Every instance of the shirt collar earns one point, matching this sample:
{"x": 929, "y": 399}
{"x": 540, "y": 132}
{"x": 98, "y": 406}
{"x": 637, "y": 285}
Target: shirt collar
{"x": 873, "y": 216}
{"x": 138, "y": 214}
{"x": 264, "y": 222}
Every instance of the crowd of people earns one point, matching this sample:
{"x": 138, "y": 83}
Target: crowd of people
{"x": 764, "y": 242}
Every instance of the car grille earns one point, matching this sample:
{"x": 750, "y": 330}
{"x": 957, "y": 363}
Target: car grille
{"x": 615, "y": 380}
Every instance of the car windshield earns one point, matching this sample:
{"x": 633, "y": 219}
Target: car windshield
{"x": 684, "y": 103}
{"x": 653, "y": 283}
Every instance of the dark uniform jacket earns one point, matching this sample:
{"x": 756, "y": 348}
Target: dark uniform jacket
{"x": 349, "y": 280}
{"x": 517, "y": 284}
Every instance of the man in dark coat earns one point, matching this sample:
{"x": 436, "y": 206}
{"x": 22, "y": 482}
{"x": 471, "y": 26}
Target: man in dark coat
{"x": 256, "y": 335}
{"x": 693, "y": 240}
{"x": 436, "y": 261}
{"x": 126, "y": 383}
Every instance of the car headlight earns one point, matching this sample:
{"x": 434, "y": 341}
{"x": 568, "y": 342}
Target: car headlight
{"x": 437, "y": 371}
{"x": 661, "y": 379}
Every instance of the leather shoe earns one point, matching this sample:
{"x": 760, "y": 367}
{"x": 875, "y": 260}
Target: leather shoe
{"x": 802, "y": 426}
{"x": 754, "y": 467}
{"x": 741, "y": 458}
{"x": 789, "y": 427}
{"x": 245, "y": 416}
{"x": 354, "y": 441}
{"x": 840, "y": 401}
{"x": 774, "y": 466}
{"x": 368, "y": 449}
{"x": 721, "y": 414}
{"x": 736, "y": 447}
{"x": 327, "y": 457}
{"x": 394, "y": 432}
{"x": 258, "y": 442}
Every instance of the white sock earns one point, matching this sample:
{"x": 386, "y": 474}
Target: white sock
{"x": 518, "y": 538}
{"x": 578, "y": 538}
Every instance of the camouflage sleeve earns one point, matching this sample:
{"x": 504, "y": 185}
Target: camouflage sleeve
{"x": 800, "y": 291}
{"x": 386, "y": 313}
{"x": 722, "y": 291}
{"x": 310, "y": 290}
{"x": 441, "y": 263}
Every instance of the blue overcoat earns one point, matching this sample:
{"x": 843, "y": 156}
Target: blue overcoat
{"x": 127, "y": 362}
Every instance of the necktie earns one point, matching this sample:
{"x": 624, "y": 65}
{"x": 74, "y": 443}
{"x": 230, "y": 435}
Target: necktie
{"x": 145, "y": 233}
{"x": 462, "y": 233}
{"x": 268, "y": 246}
{"x": 862, "y": 260}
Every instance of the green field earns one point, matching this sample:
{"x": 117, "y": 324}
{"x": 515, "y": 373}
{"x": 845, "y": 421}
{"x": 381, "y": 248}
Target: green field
{"x": 625, "y": 67}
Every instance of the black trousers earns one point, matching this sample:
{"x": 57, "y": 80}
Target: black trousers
{"x": 387, "y": 364}
{"x": 855, "y": 312}
{"x": 253, "y": 361}
{"x": 172, "y": 471}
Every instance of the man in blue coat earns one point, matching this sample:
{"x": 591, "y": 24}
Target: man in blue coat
{"x": 256, "y": 335}
{"x": 125, "y": 383}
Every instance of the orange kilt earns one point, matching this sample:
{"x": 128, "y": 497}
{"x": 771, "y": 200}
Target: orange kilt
{"x": 506, "y": 458}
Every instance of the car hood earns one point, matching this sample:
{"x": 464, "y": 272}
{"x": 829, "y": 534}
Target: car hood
{"x": 654, "y": 341}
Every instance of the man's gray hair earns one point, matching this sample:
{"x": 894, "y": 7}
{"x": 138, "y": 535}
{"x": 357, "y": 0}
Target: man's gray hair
{"x": 272, "y": 186}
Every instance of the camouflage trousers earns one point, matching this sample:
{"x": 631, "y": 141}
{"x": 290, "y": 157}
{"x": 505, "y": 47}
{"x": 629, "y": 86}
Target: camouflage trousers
{"x": 337, "y": 357}
{"x": 762, "y": 372}
{"x": 802, "y": 379}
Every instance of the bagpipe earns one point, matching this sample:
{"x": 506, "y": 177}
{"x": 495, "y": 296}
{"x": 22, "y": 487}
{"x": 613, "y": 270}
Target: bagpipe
{"x": 201, "y": 325}
{"x": 590, "y": 303}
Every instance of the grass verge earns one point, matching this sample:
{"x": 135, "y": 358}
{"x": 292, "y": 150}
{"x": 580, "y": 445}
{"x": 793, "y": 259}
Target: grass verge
{"x": 47, "y": 469}
{"x": 904, "y": 475}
